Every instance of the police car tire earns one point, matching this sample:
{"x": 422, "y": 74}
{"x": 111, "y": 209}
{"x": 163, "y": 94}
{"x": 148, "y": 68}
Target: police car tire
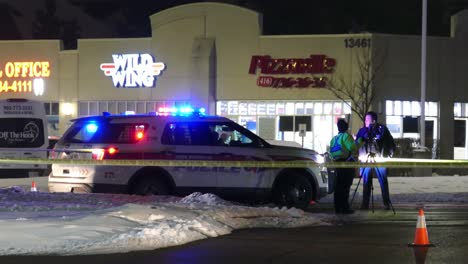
{"x": 148, "y": 185}
{"x": 294, "y": 190}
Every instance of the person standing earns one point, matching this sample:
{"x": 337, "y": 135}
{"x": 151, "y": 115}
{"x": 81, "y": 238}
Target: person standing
{"x": 343, "y": 148}
{"x": 374, "y": 140}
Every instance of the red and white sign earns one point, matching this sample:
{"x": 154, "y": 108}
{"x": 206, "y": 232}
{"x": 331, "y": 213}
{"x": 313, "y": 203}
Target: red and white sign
{"x": 133, "y": 70}
{"x": 315, "y": 65}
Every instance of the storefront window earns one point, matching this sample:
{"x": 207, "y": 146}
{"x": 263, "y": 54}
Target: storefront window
{"x": 327, "y": 108}
{"x": 318, "y": 108}
{"x": 280, "y": 109}
{"x": 394, "y": 125}
{"x": 243, "y": 108}
{"x": 221, "y": 108}
{"x": 103, "y": 107}
{"x": 271, "y": 109}
{"x": 309, "y": 108}
{"x": 299, "y": 108}
{"x": 324, "y": 133}
{"x": 402, "y": 118}
{"x": 140, "y": 108}
{"x": 346, "y": 108}
{"x": 337, "y": 108}
{"x": 432, "y": 109}
{"x": 416, "y": 108}
{"x": 290, "y": 108}
{"x": 252, "y": 109}
{"x": 52, "y": 113}
{"x": 397, "y": 109}
{"x": 388, "y": 108}
{"x": 457, "y": 110}
{"x": 93, "y": 108}
{"x": 261, "y": 109}
{"x": 233, "y": 107}
{"x": 286, "y": 117}
{"x": 131, "y": 106}
{"x": 407, "y": 108}
{"x": 88, "y": 108}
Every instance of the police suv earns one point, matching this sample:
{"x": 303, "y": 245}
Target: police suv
{"x": 182, "y": 134}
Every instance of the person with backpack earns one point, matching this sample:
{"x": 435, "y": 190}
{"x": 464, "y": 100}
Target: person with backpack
{"x": 374, "y": 140}
{"x": 343, "y": 148}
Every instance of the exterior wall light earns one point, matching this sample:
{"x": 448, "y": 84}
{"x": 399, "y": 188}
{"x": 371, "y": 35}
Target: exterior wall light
{"x": 68, "y": 109}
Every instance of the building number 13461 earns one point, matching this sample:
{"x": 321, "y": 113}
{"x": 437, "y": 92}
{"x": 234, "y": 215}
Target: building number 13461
{"x": 357, "y": 43}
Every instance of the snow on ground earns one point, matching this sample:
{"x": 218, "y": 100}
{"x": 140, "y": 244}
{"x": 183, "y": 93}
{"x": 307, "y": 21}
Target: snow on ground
{"x": 40, "y": 223}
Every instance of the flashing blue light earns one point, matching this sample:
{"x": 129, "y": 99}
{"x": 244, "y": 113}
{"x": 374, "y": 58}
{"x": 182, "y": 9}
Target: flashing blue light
{"x": 129, "y": 113}
{"x": 186, "y": 110}
{"x": 182, "y": 111}
{"x": 91, "y": 128}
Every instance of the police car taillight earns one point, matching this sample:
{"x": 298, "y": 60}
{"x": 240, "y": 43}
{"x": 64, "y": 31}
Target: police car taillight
{"x": 98, "y": 154}
{"x": 139, "y": 132}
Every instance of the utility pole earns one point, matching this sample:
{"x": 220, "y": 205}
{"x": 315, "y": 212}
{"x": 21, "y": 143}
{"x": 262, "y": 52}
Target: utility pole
{"x": 422, "y": 124}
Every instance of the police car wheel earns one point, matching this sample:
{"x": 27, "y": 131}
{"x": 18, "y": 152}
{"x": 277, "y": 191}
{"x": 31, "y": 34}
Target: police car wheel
{"x": 150, "y": 186}
{"x": 294, "y": 190}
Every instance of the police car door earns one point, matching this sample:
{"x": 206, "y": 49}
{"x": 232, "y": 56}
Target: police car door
{"x": 187, "y": 141}
{"x": 237, "y": 144}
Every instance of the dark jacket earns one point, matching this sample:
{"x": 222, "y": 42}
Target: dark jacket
{"x": 377, "y": 140}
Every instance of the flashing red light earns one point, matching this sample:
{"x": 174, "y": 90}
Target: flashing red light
{"x": 139, "y": 135}
{"x": 112, "y": 150}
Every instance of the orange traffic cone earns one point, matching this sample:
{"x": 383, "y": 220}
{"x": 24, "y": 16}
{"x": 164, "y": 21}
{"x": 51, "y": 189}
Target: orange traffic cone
{"x": 33, "y": 186}
{"x": 421, "y": 237}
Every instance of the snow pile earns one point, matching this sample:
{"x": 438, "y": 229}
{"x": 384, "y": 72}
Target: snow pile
{"x": 35, "y": 223}
{"x": 40, "y": 223}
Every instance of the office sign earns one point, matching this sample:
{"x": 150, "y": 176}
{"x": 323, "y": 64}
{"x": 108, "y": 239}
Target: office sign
{"x": 24, "y": 77}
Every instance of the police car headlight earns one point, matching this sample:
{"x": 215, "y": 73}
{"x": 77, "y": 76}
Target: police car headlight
{"x": 320, "y": 159}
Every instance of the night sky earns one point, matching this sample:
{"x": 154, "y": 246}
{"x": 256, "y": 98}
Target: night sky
{"x": 71, "y": 19}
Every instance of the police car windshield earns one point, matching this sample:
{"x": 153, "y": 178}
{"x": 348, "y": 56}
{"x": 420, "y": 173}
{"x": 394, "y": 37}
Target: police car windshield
{"x": 104, "y": 132}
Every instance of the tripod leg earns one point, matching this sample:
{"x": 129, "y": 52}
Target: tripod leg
{"x": 354, "y": 194}
{"x": 372, "y": 188}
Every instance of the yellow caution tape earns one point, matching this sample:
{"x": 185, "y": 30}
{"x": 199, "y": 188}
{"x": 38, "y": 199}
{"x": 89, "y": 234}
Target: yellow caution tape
{"x": 388, "y": 163}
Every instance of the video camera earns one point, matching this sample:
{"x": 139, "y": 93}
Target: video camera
{"x": 372, "y": 133}
{"x": 371, "y": 138}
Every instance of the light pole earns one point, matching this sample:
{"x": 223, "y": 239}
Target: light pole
{"x": 422, "y": 120}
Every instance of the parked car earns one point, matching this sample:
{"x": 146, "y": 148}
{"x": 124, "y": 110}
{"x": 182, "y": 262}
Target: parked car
{"x": 187, "y": 135}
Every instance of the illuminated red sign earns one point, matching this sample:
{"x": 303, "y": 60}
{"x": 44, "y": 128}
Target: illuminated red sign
{"x": 24, "y": 77}
{"x": 314, "y": 64}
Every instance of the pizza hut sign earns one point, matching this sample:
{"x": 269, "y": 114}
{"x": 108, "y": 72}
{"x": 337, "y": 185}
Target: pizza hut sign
{"x": 315, "y": 65}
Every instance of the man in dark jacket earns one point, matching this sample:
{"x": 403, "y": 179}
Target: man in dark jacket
{"x": 374, "y": 140}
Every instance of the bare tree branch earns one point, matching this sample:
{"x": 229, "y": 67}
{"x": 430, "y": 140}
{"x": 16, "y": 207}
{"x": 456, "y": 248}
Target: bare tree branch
{"x": 359, "y": 92}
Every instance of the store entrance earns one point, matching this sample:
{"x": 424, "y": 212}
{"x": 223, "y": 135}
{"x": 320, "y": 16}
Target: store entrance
{"x": 460, "y": 150}
{"x": 312, "y": 132}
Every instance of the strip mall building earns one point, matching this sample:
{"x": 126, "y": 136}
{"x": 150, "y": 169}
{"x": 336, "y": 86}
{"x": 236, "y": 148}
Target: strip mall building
{"x": 214, "y": 55}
